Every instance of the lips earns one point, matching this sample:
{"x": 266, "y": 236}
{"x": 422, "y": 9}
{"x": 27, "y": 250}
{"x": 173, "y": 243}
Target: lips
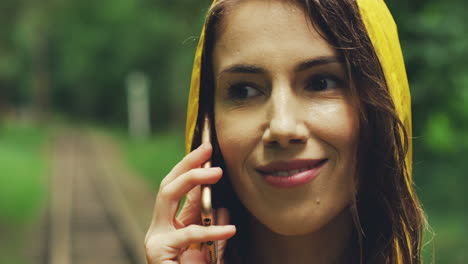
{"x": 285, "y": 174}
{"x": 289, "y": 166}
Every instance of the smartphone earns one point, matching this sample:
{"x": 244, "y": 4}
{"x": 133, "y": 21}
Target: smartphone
{"x": 207, "y": 212}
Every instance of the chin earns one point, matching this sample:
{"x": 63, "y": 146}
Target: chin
{"x": 291, "y": 230}
{"x": 291, "y": 224}
{"x": 303, "y": 221}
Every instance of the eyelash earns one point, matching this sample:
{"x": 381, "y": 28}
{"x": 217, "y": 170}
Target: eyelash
{"x": 338, "y": 82}
{"x": 235, "y": 88}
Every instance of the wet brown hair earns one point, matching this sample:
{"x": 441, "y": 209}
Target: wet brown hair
{"x": 387, "y": 214}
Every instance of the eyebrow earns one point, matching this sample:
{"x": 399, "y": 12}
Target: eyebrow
{"x": 317, "y": 62}
{"x": 253, "y": 69}
{"x": 243, "y": 68}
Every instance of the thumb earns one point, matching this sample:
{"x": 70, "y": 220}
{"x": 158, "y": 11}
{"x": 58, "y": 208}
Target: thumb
{"x": 222, "y": 216}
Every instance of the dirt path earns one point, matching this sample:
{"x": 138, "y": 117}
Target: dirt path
{"x": 98, "y": 209}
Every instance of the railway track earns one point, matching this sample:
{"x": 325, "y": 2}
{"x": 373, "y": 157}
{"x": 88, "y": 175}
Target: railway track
{"x": 97, "y": 213}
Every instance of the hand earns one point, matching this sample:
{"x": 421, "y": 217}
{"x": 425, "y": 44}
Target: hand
{"x": 169, "y": 236}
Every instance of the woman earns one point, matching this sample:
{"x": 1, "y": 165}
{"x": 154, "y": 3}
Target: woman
{"x": 312, "y": 138}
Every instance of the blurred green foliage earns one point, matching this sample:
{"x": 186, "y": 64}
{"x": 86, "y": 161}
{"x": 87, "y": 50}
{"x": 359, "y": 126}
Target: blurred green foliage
{"x": 85, "y": 50}
{"x": 153, "y": 158}
{"x": 434, "y": 42}
{"x": 23, "y": 185}
{"x": 82, "y": 51}
{"x": 22, "y": 172}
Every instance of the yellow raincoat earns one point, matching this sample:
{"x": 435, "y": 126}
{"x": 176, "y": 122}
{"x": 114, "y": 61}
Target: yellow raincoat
{"x": 382, "y": 31}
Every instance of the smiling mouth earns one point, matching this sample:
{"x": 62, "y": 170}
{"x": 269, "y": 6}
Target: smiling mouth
{"x": 289, "y": 174}
{"x": 285, "y": 169}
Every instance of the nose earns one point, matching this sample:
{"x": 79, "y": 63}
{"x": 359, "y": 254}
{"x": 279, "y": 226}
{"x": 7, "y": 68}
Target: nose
{"x": 285, "y": 125}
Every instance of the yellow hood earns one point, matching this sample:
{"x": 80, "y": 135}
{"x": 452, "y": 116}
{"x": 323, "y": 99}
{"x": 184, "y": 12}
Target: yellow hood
{"x": 383, "y": 33}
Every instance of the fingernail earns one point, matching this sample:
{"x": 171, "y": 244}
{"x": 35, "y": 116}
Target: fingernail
{"x": 206, "y": 145}
{"x": 230, "y": 227}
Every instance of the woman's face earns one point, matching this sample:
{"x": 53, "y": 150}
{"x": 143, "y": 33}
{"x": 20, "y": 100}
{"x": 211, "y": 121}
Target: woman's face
{"x": 284, "y": 119}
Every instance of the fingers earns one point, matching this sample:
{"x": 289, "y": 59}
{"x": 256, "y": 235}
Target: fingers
{"x": 198, "y": 234}
{"x": 187, "y": 181}
{"x": 167, "y": 237}
{"x": 190, "y": 213}
{"x": 192, "y": 160}
{"x": 183, "y": 177}
{"x": 162, "y": 247}
{"x": 167, "y": 201}
{"x": 168, "y": 246}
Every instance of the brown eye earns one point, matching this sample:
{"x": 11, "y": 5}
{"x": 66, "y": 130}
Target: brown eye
{"x": 322, "y": 83}
{"x": 242, "y": 91}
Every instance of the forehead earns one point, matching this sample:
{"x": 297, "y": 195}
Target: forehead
{"x": 259, "y": 31}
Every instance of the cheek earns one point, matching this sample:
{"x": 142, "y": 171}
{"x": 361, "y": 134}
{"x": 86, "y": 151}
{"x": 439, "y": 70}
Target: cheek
{"x": 239, "y": 132}
{"x": 231, "y": 149}
{"x": 336, "y": 124}
{"x": 234, "y": 137}
{"x": 348, "y": 123}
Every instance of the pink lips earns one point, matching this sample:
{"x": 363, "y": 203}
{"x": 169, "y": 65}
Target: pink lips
{"x": 287, "y": 174}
